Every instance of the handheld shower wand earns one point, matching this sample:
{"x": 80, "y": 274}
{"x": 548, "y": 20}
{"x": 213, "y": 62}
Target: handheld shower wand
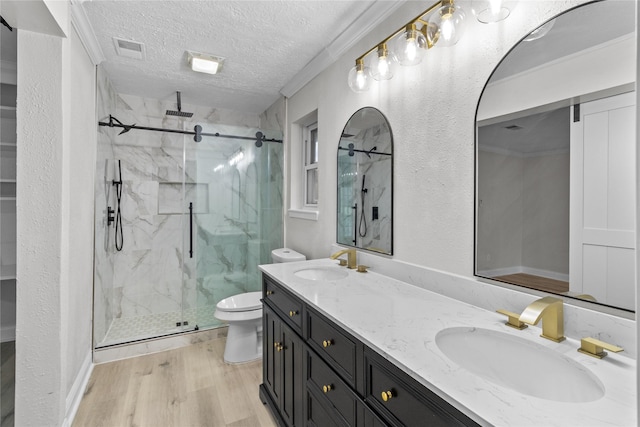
{"x": 362, "y": 229}
{"x": 119, "y": 238}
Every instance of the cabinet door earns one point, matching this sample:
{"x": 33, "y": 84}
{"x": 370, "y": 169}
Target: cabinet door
{"x": 271, "y": 353}
{"x": 292, "y": 396}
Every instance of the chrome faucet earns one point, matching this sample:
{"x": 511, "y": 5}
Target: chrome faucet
{"x": 551, "y": 311}
{"x": 351, "y": 256}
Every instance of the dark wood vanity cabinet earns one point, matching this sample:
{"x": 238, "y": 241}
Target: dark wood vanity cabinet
{"x": 316, "y": 374}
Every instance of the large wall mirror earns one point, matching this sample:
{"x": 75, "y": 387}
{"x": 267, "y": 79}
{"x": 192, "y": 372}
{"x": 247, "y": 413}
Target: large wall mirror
{"x": 365, "y": 182}
{"x": 556, "y": 159}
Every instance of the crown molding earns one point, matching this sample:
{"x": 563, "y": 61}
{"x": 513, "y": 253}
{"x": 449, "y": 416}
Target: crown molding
{"x": 82, "y": 25}
{"x": 371, "y": 18}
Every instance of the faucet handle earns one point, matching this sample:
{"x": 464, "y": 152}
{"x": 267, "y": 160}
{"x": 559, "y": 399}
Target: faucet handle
{"x": 595, "y": 348}
{"x": 513, "y": 319}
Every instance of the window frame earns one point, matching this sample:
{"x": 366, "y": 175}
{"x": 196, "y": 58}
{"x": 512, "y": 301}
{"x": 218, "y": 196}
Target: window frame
{"x": 308, "y": 164}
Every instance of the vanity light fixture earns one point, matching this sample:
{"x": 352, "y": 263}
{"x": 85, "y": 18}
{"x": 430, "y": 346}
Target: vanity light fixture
{"x": 204, "y": 62}
{"x": 441, "y": 24}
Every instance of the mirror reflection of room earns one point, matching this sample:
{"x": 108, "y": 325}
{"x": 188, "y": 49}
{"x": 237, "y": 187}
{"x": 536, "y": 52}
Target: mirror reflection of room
{"x": 365, "y": 169}
{"x": 555, "y": 160}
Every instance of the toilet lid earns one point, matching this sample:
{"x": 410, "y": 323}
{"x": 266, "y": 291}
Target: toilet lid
{"x": 241, "y": 302}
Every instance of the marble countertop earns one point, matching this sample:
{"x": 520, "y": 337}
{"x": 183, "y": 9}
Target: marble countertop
{"x": 400, "y": 322}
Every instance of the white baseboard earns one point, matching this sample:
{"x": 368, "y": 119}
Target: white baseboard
{"x": 8, "y": 333}
{"x": 77, "y": 390}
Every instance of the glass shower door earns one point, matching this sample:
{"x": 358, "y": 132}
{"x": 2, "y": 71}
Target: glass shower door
{"x": 234, "y": 190}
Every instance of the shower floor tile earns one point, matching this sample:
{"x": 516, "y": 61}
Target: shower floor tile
{"x": 127, "y": 329}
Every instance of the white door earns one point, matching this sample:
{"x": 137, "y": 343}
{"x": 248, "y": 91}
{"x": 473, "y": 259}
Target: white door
{"x": 603, "y": 174}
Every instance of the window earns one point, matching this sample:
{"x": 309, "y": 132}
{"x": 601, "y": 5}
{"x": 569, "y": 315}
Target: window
{"x": 311, "y": 166}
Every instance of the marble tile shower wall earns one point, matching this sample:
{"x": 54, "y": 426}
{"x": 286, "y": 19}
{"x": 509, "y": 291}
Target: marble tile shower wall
{"x": 238, "y": 211}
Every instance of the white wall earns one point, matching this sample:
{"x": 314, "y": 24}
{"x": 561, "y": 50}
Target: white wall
{"x": 56, "y": 151}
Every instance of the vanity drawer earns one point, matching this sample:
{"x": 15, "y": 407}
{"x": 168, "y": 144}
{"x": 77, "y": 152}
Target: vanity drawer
{"x": 341, "y": 351}
{"x": 402, "y": 401}
{"x": 290, "y": 307}
{"x": 326, "y": 383}
{"x": 318, "y": 414}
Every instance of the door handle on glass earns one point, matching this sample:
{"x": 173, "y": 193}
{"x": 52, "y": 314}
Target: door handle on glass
{"x": 190, "y": 229}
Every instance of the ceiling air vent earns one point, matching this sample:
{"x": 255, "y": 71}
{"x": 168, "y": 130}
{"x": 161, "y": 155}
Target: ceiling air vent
{"x": 129, "y": 48}
{"x": 513, "y": 127}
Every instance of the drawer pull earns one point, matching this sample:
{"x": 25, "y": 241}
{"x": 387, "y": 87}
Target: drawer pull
{"x": 278, "y": 346}
{"x": 269, "y": 292}
{"x": 387, "y": 395}
{"x": 293, "y": 313}
{"x": 327, "y": 388}
{"x": 327, "y": 343}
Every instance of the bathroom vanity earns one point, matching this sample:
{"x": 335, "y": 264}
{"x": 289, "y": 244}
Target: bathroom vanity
{"x": 343, "y": 348}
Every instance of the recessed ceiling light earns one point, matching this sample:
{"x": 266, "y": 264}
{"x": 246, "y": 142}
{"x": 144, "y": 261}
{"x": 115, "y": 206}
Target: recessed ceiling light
{"x": 204, "y": 63}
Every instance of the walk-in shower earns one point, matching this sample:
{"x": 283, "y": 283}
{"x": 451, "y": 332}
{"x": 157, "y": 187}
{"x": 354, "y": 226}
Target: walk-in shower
{"x": 197, "y": 217}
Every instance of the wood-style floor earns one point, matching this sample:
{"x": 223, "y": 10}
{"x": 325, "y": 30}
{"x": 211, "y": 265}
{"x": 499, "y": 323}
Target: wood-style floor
{"x": 536, "y": 282}
{"x": 189, "y": 386}
{"x": 7, "y": 379}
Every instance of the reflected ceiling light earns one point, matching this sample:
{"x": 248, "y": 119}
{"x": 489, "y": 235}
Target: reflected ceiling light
{"x": 382, "y": 68}
{"x": 442, "y": 24}
{"x": 540, "y": 32}
{"x": 359, "y": 77}
{"x": 204, "y": 63}
{"x": 490, "y": 11}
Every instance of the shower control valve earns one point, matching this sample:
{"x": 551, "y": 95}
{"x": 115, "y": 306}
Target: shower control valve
{"x": 111, "y": 215}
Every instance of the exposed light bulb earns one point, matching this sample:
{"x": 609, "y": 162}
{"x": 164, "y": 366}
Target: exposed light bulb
{"x": 359, "y": 77}
{"x": 446, "y": 29}
{"x": 411, "y": 49}
{"x": 410, "y": 46}
{"x": 383, "y": 68}
{"x": 446, "y": 24}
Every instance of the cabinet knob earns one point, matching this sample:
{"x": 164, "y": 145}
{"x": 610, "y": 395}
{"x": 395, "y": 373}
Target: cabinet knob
{"x": 387, "y": 395}
{"x": 293, "y": 313}
{"x": 269, "y": 292}
{"x": 327, "y": 343}
{"x": 278, "y": 346}
{"x": 327, "y": 388}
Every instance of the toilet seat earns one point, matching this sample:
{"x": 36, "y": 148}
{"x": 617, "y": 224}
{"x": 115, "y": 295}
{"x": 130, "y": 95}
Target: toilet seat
{"x": 242, "y": 302}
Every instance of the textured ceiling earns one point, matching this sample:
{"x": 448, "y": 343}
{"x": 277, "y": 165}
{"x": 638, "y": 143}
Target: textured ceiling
{"x": 264, "y": 43}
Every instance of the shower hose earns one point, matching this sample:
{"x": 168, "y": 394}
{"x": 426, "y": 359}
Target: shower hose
{"x": 119, "y": 238}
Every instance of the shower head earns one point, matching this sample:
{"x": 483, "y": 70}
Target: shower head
{"x": 178, "y": 113}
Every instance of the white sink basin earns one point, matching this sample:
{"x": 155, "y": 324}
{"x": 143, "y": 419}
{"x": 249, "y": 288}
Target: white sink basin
{"x": 321, "y": 273}
{"x": 519, "y": 364}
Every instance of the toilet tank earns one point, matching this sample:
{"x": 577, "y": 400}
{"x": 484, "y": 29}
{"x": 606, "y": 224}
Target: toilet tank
{"x": 286, "y": 255}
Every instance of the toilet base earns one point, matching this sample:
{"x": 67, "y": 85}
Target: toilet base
{"x": 244, "y": 342}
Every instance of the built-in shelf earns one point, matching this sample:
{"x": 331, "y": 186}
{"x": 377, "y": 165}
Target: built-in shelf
{"x": 8, "y": 198}
{"x": 8, "y": 180}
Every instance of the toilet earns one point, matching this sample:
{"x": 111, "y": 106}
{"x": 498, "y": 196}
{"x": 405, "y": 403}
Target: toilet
{"x": 243, "y": 313}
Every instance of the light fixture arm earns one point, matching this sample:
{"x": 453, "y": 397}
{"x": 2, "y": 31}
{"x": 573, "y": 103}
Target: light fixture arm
{"x": 417, "y": 19}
